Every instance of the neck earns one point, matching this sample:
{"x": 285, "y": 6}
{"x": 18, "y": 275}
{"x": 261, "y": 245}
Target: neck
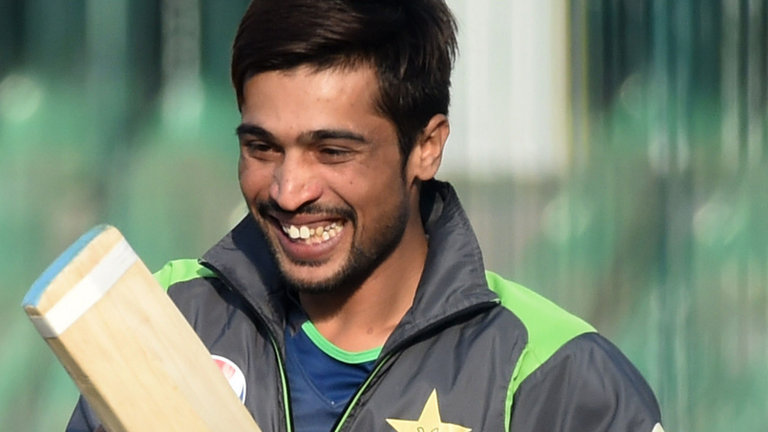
{"x": 363, "y": 318}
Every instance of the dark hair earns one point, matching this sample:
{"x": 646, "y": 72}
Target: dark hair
{"x": 410, "y": 43}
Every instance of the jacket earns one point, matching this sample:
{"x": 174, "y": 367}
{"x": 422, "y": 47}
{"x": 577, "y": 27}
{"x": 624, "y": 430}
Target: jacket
{"x": 474, "y": 352}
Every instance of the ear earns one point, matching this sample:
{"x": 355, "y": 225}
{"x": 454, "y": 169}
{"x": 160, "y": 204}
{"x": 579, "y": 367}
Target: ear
{"x": 427, "y": 152}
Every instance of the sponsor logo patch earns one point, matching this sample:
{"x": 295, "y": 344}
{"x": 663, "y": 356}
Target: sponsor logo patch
{"x": 233, "y": 374}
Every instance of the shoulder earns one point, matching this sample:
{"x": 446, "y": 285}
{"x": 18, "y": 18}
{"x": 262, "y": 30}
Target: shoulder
{"x": 568, "y": 377}
{"x": 196, "y": 291}
{"x": 548, "y": 326}
{"x": 181, "y": 270}
{"x": 586, "y": 385}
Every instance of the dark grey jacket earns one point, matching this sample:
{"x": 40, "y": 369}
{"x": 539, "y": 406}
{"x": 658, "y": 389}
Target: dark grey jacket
{"x": 475, "y": 352}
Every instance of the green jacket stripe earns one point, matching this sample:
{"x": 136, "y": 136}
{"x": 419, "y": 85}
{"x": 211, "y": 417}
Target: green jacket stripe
{"x": 549, "y": 327}
{"x": 181, "y": 271}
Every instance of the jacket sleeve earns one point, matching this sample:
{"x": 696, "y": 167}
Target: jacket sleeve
{"x": 586, "y": 386}
{"x": 83, "y": 419}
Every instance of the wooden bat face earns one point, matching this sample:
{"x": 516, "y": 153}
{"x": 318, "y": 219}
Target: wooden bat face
{"x": 129, "y": 350}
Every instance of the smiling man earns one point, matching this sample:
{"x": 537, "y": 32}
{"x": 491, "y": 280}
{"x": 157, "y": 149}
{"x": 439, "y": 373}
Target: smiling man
{"x": 323, "y": 175}
{"x": 353, "y": 297}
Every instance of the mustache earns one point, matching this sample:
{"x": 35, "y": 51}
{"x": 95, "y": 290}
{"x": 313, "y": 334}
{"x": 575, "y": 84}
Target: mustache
{"x": 270, "y": 207}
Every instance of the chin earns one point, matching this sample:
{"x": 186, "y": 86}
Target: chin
{"x": 310, "y": 278}
{"x": 316, "y": 281}
{"x": 314, "y": 286}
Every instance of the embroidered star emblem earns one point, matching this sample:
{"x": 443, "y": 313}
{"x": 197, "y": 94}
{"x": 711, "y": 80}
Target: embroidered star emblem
{"x": 429, "y": 420}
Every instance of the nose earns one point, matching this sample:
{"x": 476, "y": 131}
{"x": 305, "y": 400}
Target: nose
{"x": 294, "y": 183}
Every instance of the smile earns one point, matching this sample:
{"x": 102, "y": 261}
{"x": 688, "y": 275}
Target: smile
{"x": 313, "y": 235}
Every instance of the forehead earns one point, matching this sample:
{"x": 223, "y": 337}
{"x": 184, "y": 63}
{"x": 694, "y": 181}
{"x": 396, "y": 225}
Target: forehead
{"x": 307, "y": 88}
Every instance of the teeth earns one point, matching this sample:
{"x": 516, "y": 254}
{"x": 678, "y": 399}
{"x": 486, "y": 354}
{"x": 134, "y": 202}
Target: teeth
{"x": 313, "y": 235}
{"x": 293, "y": 232}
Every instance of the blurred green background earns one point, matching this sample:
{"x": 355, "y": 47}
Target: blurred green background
{"x": 650, "y": 220}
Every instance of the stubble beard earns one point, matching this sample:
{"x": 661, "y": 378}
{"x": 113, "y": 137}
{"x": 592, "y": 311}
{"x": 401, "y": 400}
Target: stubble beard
{"x": 362, "y": 259}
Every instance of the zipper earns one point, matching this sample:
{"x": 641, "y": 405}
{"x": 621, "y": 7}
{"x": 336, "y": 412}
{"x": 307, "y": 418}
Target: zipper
{"x": 360, "y": 391}
{"x": 400, "y": 346}
{"x": 284, "y": 382}
{"x": 273, "y": 342}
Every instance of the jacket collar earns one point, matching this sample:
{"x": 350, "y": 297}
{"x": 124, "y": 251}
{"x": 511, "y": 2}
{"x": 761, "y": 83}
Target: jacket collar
{"x": 453, "y": 281}
{"x": 243, "y": 260}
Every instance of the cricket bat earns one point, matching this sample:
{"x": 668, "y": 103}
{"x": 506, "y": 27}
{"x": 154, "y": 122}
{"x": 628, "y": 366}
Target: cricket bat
{"x": 129, "y": 350}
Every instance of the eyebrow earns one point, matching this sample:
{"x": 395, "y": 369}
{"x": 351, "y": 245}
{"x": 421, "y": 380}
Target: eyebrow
{"x": 251, "y": 129}
{"x": 311, "y": 136}
{"x": 328, "y": 134}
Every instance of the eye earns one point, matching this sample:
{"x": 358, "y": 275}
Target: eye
{"x": 261, "y": 150}
{"x": 333, "y": 151}
{"x": 334, "y": 154}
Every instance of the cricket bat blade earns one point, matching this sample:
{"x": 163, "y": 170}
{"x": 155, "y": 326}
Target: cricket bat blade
{"x": 130, "y": 351}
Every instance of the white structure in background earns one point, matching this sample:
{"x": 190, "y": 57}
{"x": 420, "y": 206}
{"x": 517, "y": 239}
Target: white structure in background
{"x": 510, "y": 91}
{"x": 183, "y": 97}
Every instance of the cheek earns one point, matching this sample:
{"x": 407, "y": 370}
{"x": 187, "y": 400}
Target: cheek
{"x": 240, "y": 169}
{"x": 254, "y": 180}
{"x": 380, "y": 194}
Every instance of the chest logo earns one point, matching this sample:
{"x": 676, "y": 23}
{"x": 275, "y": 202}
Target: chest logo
{"x": 233, "y": 374}
{"x": 429, "y": 420}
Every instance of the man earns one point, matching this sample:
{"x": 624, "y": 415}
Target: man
{"x": 354, "y": 297}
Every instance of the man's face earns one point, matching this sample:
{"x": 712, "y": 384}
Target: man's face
{"x": 321, "y": 172}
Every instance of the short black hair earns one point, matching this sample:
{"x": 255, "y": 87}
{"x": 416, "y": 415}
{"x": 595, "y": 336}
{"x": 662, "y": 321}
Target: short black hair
{"x": 410, "y": 43}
